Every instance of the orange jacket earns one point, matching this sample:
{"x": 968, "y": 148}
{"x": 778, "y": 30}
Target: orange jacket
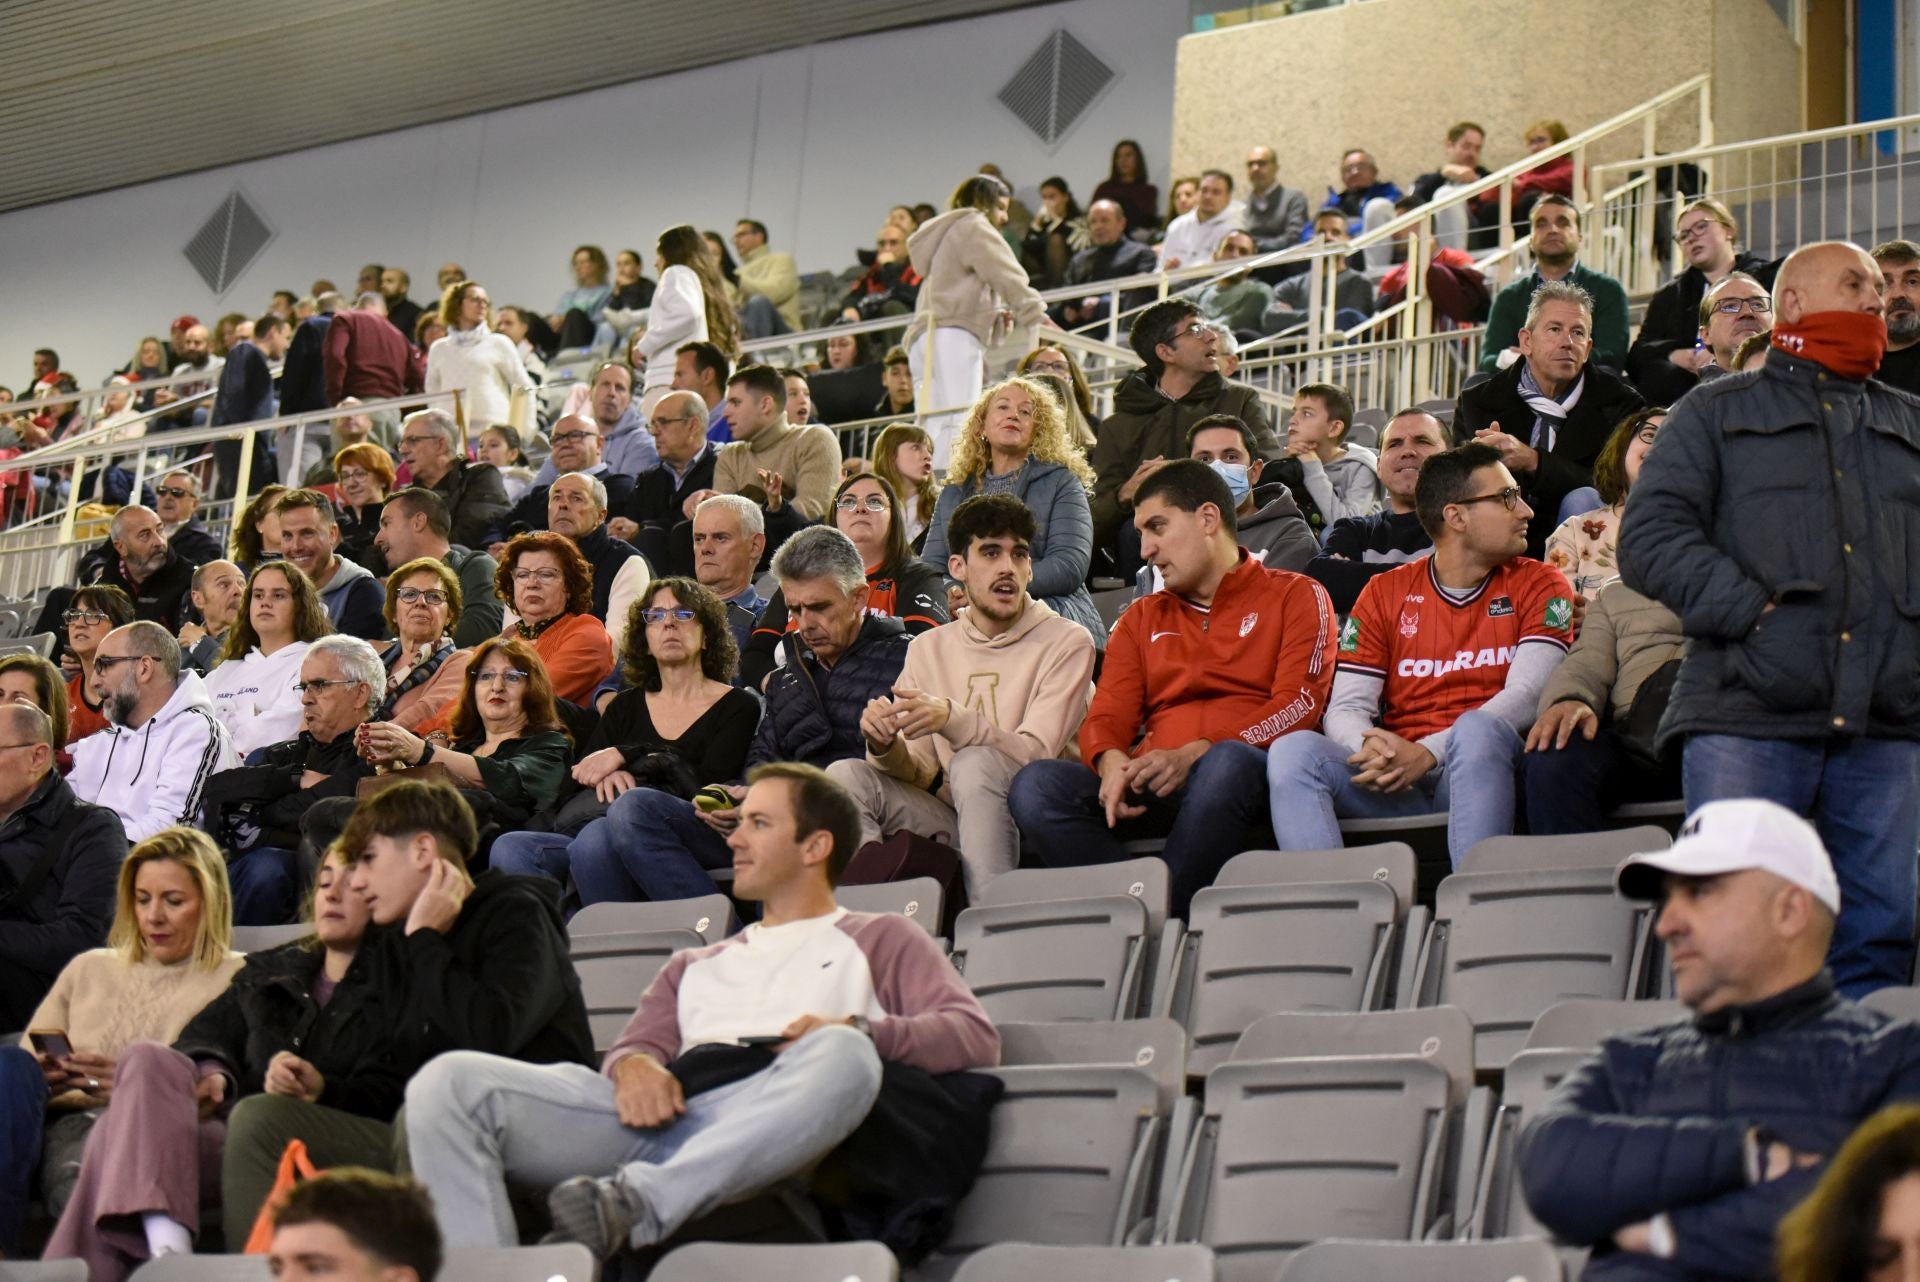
{"x": 1265, "y": 671}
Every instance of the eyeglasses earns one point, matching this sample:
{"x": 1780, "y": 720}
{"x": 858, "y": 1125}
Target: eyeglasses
{"x": 174, "y": 492}
{"x": 71, "y": 617}
{"x": 1734, "y": 306}
{"x": 542, "y": 577}
{"x": 105, "y": 663}
{"x": 321, "y": 687}
{"x": 1507, "y": 497}
{"x": 1050, "y": 367}
{"x": 1699, "y": 229}
{"x": 658, "y": 615}
{"x": 661, "y": 421}
{"x": 853, "y": 503}
{"x": 508, "y": 676}
{"x": 412, "y": 596}
{"x": 575, "y": 436}
{"x": 352, "y": 474}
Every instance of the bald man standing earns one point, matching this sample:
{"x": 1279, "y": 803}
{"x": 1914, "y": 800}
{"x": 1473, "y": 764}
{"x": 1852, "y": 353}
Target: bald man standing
{"x": 1779, "y": 517}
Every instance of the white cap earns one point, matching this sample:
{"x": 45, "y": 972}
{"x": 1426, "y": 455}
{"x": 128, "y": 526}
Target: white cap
{"x": 1734, "y": 836}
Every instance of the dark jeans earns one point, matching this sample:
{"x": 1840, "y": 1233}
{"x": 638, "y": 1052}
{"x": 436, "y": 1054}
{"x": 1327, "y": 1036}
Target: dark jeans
{"x": 650, "y": 846}
{"x": 226, "y": 461}
{"x": 264, "y": 890}
{"x": 1571, "y": 789}
{"x": 1221, "y": 810}
{"x": 1863, "y": 795}
{"x": 23, "y": 1112}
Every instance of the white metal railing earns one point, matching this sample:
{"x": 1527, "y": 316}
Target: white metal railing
{"x": 1849, "y": 183}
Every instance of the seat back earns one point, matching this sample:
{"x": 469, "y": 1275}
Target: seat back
{"x": 790, "y": 1262}
{"x": 1157, "y": 1047}
{"x": 708, "y": 916}
{"x": 1504, "y": 946}
{"x": 1254, "y": 950}
{"x": 1291, "y": 1151}
{"x": 40, "y": 643}
{"x": 1530, "y": 1081}
{"x": 1143, "y": 879}
{"x": 257, "y": 939}
{"x": 615, "y": 969}
{"x": 1054, "y": 959}
{"x": 1517, "y": 1261}
{"x": 916, "y": 897}
{"x": 199, "y": 1268}
{"x": 1901, "y": 1003}
{"x": 1024, "y": 1262}
{"x": 69, "y": 1270}
{"x": 1581, "y": 1024}
{"x": 1390, "y": 862}
{"x": 1580, "y": 850}
{"x": 548, "y": 1262}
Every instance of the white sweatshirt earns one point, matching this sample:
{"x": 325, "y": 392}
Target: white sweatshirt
{"x": 153, "y": 777}
{"x": 678, "y": 317}
{"x": 254, "y": 697}
{"x": 485, "y": 367}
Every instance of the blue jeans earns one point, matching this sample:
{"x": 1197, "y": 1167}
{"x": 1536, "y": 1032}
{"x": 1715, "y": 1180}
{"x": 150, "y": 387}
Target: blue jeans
{"x": 1312, "y": 787}
{"x": 264, "y": 893}
{"x": 532, "y": 854}
{"x": 476, "y": 1121}
{"x": 1216, "y": 815}
{"x": 1863, "y": 796}
{"x": 650, "y": 846}
{"x": 23, "y": 1116}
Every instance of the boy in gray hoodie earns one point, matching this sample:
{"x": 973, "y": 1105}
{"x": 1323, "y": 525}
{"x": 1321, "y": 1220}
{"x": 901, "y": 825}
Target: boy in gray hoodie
{"x": 1330, "y": 479}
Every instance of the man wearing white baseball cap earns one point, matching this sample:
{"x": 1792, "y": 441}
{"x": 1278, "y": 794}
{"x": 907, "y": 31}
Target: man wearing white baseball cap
{"x": 1675, "y": 1151}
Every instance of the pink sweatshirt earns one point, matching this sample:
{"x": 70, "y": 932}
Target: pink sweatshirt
{"x": 878, "y": 965}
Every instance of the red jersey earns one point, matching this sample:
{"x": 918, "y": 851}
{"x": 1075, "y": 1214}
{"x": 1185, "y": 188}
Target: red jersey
{"x": 1441, "y": 657}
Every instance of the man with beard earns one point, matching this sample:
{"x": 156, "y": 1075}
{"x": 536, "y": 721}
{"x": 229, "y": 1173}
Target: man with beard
{"x": 1900, "y": 262}
{"x": 193, "y": 350}
{"x": 152, "y": 762}
{"x": 1556, "y": 251}
{"x": 1006, "y": 684}
{"x": 145, "y": 568}
{"x": 1731, "y": 312}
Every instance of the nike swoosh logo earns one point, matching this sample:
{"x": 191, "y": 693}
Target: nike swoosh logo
{"x": 1156, "y": 636}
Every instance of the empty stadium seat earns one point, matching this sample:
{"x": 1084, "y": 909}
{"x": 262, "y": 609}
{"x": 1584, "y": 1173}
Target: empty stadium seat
{"x": 789, "y": 1262}
{"x": 709, "y": 916}
{"x": 1023, "y": 1262}
{"x": 43, "y": 1271}
{"x": 917, "y": 897}
{"x": 1065, "y": 943}
{"x": 615, "y": 968}
{"x": 1901, "y": 1003}
{"x": 1531, "y": 1076}
{"x": 257, "y": 939}
{"x": 1290, "y": 1151}
{"x": 1581, "y": 1024}
{"x": 1522, "y": 1260}
{"x": 41, "y": 643}
{"x": 555, "y": 1262}
{"x": 1580, "y": 850}
{"x": 1504, "y": 946}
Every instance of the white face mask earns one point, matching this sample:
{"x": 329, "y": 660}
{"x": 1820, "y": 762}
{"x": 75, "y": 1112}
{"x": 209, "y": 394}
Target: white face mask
{"x": 1235, "y": 475}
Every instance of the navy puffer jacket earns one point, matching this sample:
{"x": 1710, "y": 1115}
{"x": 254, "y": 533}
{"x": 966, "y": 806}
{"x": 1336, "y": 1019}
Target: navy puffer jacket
{"x": 1657, "y": 1122}
{"x": 813, "y": 712}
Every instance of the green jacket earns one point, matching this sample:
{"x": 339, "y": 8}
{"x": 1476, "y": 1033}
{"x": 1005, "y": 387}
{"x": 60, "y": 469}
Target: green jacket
{"x": 1610, "y": 340}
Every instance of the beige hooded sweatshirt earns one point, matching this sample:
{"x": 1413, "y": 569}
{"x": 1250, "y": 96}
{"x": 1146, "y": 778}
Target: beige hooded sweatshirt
{"x": 969, "y": 274}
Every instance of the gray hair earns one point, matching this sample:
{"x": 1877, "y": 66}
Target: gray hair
{"x": 357, "y": 662}
{"x": 29, "y": 722}
{"x": 594, "y": 484}
{"x": 201, "y": 572}
{"x": 118, "y": 526}
{"x": 329, "y": 301}
{"x": 370, "y": 302}
{"x": 193, "y": 478}
{"x": 1228, "y": 343}
{"x": 154, "y": 642}
{"x": 820, "y": 552}
{"x": 1559, "y": 291}
{"x": 439, "y": 422}
{"x": 746, "y": 513}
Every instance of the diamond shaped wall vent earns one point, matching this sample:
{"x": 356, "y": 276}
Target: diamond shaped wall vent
{"x": 228, "y": 242}
{"x": 1055, "y": 86}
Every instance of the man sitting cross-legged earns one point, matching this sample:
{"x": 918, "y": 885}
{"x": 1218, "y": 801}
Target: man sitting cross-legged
{"x": 631, "y": 1153}
{"x": 1006, "y": 684}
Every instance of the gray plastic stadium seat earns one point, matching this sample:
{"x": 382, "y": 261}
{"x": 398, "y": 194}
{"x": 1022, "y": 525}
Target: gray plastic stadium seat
{"x": 1901, "y": 1003}
{"x": 1021, "y": 1262}
{"x": 1582, "y": 1023}
{"x": 43, "y": 1271}
{"x": 1391, "y": 862}
{"x": 615, "y": 968}
{"x": 549, "y": 1262}
{"x": 1254, "y": 950}
{"x": 257, "y": 939}
{"x": 917, "y": 897}
{"x": 204, "y": 1268}
{"x": 1581, "y": 850}
{"x": 1156, "y": 1047}
{"x": 760, "y": 1262}
{"x": 1064, "y": 943}
{"x": 709, "y": 916}
{"x": 1290, "y": 1151}
{"x": 1501, "y": 1208}
{"x": 1518, "y": 1261}
{"x": 1504, "y": 946}
{"x": 40, "y": 643}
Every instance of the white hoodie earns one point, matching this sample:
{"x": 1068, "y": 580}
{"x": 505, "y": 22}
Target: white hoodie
{"x": 153, "y": 777}
{"x": 254, "y": 697}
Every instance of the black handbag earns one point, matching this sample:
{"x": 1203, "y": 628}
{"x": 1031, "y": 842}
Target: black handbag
{"x": 1639, "y": 730}
{"x": 664, "y": 771}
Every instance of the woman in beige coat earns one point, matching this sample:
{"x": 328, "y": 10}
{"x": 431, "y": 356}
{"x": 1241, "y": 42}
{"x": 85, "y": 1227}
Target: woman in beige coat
{"x": 973, "y": 288}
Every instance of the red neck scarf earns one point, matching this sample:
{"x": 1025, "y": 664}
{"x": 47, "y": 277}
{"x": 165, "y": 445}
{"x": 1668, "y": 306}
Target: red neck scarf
{"x": 1849, "y": 344}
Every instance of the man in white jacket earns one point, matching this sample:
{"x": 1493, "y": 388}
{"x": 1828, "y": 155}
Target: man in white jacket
{"x": 151, "y": 764}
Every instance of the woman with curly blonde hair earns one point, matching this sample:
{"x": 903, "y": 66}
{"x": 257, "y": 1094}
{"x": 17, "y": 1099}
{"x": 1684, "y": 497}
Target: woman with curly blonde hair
{"x": 1016, "y": 442}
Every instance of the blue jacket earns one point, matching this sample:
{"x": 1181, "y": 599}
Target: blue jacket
{"x": 813, "y": 712}
{"x": 246, "y": 387}
{"x": 1062, "y": 539}
{"x": 1657, "y": 1122}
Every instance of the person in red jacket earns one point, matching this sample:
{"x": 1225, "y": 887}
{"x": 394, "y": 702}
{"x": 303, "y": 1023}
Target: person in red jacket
{"x": 1199, "y": 678}
{"x": 365, "y": 356}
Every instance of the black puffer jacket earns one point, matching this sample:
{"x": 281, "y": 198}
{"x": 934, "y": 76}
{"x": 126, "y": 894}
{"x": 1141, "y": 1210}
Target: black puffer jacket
{"x": 1657, "y": 1123}
{"x": 269, "y": 1008}
{"x": 813, "y": 712}
{"x": 1792, "y": 487}
{"x": 1146, "y": 424}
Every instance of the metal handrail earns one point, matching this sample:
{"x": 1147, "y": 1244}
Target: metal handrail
{"x": 140, "y": 388}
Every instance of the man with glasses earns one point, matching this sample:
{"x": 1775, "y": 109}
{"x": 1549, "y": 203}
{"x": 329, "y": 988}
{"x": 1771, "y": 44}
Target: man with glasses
{"x": 59, "y": 861}
{"x": 162, "y": 743}
{"x": 414, "y": 524}
{"x": 576, "y": 448}
{"x": 1667, "y": 359}
{"x": 627, "y": 447}
{"x": 475, "y": 496}
{"x": 1731, "y": 312}
{"x": 145, "y": 568}
{"x": 1438, "y": 676}
{"x": 665, "y": 496}
{"x": 1549, "y": 413}
{"x": 1555, "y": 241}
{"x": 177, "y": 503}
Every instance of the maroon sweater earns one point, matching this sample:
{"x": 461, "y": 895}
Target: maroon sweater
{"x": 366, "y": 357}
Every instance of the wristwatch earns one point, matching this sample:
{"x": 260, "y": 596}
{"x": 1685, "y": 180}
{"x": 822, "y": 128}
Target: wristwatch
{"x": 861, "y": 1026}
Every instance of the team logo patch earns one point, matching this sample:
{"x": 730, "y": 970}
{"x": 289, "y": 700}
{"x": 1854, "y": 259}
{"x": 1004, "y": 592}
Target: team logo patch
{"x": 1500, "y": 607}
{"x": 1350, "y": 635}
{"x": 1410, "y": 624}
{"x": 1559, "y": 612}
{"x": 1249, "y": 623}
